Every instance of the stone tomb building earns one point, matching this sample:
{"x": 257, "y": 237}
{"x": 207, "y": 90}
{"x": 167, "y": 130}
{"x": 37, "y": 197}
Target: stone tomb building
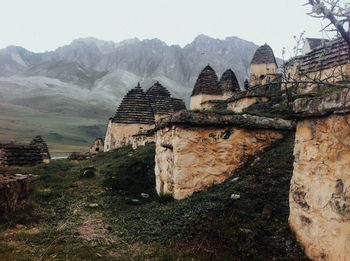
{"x": 161, "y": 102}
{"x": 133, "y": 115}
{"x": 327, "y": 63}
{"x": 97, "y": 146}
{"x": 263, "y": 67}
{"x": 136, "y": 115}
{"x": 208, "y": 89}
{"x": 229, "y": 84}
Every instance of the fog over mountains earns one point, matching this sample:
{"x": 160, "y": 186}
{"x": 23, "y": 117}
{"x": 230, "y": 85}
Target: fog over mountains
{"x": 89, "y": 77}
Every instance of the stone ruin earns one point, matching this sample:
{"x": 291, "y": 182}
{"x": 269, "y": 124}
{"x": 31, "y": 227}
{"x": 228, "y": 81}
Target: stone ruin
{"x": 97, "y": 146}
{"x": 137, "y": 113}
{"x": 34, "y": 153}
{"x": 44, "y": 150}
{"x": 13, "y": 192}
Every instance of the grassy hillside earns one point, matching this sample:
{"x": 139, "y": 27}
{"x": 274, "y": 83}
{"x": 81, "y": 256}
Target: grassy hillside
{"x": 94, "y": 210}
{"x": 63, "y": 133}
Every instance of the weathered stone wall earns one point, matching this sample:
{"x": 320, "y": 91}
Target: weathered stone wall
{"x": 197, "y": 100}
{"x": 97, "y": 146}
{"x": 209, "y": 105}
{"x": 320, "y": 186}
{"x": 19, "y": 155}
{"x": 256, "y": 70}
{"x": 333, "y": 75}
{"x": 158, "y": 116}
{"x": 240, "y": 104}
{"x": 122, "y": 134}
{"x": 13, "y": 191}
{"x": 195, "y": 151}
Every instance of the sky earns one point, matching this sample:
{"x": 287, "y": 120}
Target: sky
{"x": 44, "y": 25}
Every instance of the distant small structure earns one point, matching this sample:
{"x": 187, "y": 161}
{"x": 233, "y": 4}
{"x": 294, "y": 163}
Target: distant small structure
{"x": 44, "y": 150}
{"x": 34, "y": 153}
{"x": 229, "y": 84}
{"x": 263, "y": 67}
{"x": 97, "y": 146}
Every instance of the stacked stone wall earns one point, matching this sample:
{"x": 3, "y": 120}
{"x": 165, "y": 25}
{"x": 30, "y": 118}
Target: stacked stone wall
{"x": 196, "y": 150}
{"x": 13, "y": 192}
{"x": 19, "y": 155}
{"x": 119, "y": 135}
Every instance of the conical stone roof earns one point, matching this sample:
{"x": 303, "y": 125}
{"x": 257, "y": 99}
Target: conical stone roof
{"x": 157, "y": 90}
{"x": 228, "y": 82}
{"x": 161, "y": 102}
{"x": 176, "y": 105}
{"x": 207, "y": 83}
{"x": 264, "y": 55}
{"x": 134, "y": 108}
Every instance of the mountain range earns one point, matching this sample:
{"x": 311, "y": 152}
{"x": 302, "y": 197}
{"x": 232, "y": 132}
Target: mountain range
{"x": 67, "y": 95}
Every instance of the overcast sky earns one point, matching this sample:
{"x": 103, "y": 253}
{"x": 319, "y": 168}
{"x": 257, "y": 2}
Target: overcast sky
{"x": 41, "y": 25}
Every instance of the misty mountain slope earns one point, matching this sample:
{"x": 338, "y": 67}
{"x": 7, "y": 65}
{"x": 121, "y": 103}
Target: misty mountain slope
{"x": 15, "y": 59}
{"x": 85, "y": 51}
{"x": 231, "y": 53}
{"x": 52, "y": 95}
{"x": 88, "y": 78}
{"x": 66, "y": 71}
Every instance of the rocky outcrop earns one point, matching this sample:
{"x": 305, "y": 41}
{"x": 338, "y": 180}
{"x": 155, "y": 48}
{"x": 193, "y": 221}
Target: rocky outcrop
{"x": 197, "y": 150}
{"x": 13, "y": 191}
{"x": 79, "y": 156}
{"x": 320, "y": 186}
